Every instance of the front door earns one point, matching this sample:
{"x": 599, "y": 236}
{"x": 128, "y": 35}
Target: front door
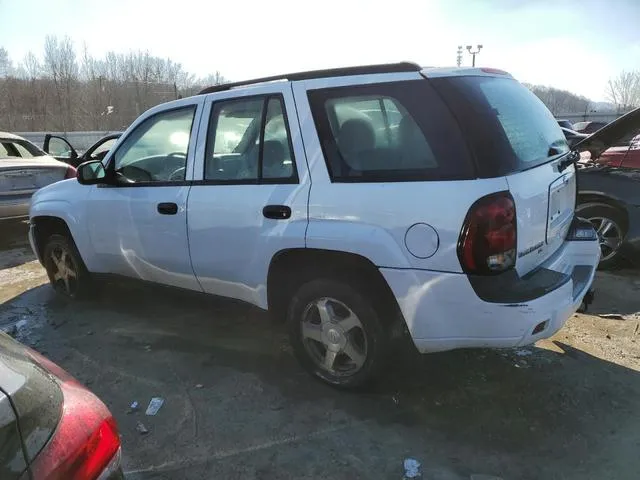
{"x": 249, "y": 198}
{"x": 60, "y": 149}
{"x": 138, "y": 223}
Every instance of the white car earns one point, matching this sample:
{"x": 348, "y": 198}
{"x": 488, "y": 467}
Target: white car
{"x": 24, "y": 168}
{"x": 355, "y": 203}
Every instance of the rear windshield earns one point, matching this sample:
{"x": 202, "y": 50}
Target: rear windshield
{"x": 385, "y": 132}
{"x": 508, "y": 128}
{"x": 15, "y": 148}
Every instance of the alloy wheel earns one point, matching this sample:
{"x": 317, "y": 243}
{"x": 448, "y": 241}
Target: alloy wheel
{"x": 334, "y": 337}
{"x": 64, "y": 274}
{"x": 609, "y": 236}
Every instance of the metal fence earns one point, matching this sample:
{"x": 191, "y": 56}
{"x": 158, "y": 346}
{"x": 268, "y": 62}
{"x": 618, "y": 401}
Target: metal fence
{"x": 589, "y": 117}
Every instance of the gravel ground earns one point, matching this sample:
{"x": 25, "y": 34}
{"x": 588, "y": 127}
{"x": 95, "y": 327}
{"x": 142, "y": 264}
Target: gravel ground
{"x": 237, "y": 405}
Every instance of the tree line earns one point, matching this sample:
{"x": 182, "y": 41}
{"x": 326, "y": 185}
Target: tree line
{"x": 622, "y": 93}
{"x": 560, "y": 101}
{"x": 71, "y": 91}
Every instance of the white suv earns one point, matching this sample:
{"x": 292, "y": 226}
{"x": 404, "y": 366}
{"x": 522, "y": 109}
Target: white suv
{"x": 355, "y": 203}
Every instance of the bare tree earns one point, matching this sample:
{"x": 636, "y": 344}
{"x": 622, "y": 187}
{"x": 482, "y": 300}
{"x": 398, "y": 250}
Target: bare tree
{"x": 6, "y": 66}
{"x": 31, "y": 66}
{"x": 64, "y": 92}
{"x": 33, "y": 96}
{"x": 62, "y": 67}
{"x": 624, "y": 90}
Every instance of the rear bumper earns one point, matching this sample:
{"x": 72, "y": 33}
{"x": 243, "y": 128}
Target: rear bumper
{"x": 444, "y": 312}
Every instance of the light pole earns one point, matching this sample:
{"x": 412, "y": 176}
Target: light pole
{"x": 473, "y": 54}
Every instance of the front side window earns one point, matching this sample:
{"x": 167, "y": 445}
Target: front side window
{"x": 156, "y": 151}
{"x": 58, "y": 147}
{"x": 398, "y": 131}
{"x": 232, "y": 147}
{"x": 248, "y": 142}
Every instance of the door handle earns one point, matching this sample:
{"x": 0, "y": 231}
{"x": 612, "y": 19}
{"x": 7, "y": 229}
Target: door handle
{"x": 167, "y": 208}
{"x": 277, "y": 212}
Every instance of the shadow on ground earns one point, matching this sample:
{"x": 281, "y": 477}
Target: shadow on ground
{"x": 14, "y": 244}
{"x": 617, "y": 293}
{"x": 237, "y": 405}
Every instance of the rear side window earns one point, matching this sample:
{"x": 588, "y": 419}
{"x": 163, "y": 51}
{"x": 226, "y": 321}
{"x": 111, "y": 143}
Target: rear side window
{"x": 249, "y": 142}
{"x": 508, "y": 127}
{"x": 399, "y": 131}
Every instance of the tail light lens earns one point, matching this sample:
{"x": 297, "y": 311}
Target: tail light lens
{"x": 488, "y": 239}
{"x": 86, "y": 441}
{"x": 71, "y": 172}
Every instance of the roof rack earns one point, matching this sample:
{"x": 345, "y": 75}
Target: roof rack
{"x": 331, "y": 72}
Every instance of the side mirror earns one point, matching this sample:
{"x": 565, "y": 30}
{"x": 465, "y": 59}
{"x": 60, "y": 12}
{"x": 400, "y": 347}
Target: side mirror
{"x": 91, "y": 173}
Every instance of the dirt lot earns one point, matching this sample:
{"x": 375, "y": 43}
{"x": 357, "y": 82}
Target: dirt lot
{"x": 238, "y": 406}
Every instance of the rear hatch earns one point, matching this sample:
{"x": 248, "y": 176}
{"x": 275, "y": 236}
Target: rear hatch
{"x": 513, "y": 135}
{"x": 22, "y": 177}
{"x": 34, "y": 393}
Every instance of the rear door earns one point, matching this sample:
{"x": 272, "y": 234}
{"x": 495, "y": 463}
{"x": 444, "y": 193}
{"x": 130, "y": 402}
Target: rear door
{"x": 513, "y": 134}
{"x": 249, "y": 196}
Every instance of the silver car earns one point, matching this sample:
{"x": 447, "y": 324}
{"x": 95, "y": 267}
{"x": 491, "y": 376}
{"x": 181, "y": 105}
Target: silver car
{"x": 24, "y": 168}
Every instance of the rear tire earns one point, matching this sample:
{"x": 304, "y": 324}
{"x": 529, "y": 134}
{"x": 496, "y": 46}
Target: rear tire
{"x": 336, "y": 333}
{"x": 66, "y": 270}
{"x": 609, "y": 223}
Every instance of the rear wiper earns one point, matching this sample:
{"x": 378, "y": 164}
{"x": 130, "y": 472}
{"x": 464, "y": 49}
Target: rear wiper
{"x": 571, "y": 158}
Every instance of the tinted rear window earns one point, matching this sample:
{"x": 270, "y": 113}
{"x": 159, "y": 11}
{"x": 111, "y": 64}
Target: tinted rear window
{"x": 399, "y": 131}
{"x": 508, "y": 127}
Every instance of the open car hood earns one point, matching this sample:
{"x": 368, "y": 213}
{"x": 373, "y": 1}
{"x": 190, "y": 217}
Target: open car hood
{"x": 608, "y": 135}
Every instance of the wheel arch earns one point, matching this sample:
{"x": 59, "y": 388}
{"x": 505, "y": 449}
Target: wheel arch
{"x": 44, "y": 227}
{"x": 597, "y": 197}
{"x": 291, "y": 268}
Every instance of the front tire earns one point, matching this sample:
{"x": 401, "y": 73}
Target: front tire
{"x": 66, "y": 270}
{"x": 336, "y": 333}
{"x": 609, "y": 223}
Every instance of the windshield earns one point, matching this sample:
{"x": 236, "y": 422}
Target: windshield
{"x": 509, "y": 128}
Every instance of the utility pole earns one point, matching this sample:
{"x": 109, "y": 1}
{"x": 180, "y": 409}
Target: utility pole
{"x": 459, "y": 56}
{"x": 474, "y": 53}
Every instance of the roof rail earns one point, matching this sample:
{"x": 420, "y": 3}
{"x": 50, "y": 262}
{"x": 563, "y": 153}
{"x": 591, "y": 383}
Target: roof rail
{"x": 331, "y": 72}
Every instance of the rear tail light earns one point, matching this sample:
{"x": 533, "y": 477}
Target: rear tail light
{"x": 71, "y": 172}
{"x": 86, "y": 441}
{"x": 487, "y": 243}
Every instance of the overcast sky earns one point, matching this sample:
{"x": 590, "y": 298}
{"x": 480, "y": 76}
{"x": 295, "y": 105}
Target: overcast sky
{"x": 574, "y": 45}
